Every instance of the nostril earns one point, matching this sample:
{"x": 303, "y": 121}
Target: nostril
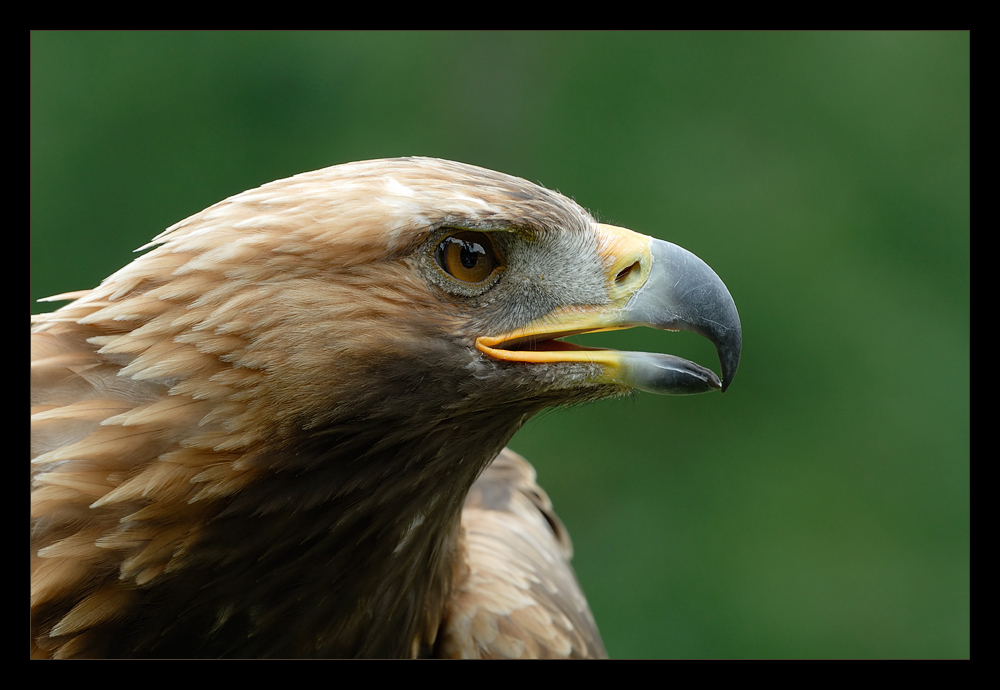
{"x": 626, "y": 272}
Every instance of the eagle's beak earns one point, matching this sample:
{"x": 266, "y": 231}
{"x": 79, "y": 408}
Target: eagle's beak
{"x": 650, "y": 283}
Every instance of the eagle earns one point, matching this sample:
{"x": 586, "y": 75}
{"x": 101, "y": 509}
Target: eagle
{"x": 281, "y": 431}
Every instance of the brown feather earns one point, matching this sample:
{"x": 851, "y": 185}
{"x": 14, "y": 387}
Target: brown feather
{"x": 517, "y": 596}
{"x": 257, "y": 438}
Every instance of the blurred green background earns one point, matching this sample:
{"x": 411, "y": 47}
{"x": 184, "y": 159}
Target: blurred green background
{"x": 820, "y": 508}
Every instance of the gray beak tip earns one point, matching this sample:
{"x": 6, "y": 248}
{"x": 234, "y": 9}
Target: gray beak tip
{"x": 684, "y": 293}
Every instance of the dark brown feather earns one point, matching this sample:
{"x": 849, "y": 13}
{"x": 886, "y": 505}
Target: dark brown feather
{"x": 256, "y": 439}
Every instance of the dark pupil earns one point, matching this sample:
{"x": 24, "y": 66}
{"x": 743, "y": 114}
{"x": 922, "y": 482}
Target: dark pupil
{"x": 470, "y": 254}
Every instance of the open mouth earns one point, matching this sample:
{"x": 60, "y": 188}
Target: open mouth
{"x": 648, "y": 371}
{"x": 533, "y": 345}
{"x": 662, "y": 286}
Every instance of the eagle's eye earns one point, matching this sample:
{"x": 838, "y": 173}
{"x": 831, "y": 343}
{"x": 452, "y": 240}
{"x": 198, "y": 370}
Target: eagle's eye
{"x": 468, "y": 256}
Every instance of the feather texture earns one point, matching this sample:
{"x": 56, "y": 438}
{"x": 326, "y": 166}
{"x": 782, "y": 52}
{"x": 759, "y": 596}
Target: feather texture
{"x": 257, "y": 438}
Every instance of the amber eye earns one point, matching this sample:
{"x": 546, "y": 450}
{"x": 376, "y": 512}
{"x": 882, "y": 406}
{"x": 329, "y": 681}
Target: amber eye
{"x": 468, "y": 256}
